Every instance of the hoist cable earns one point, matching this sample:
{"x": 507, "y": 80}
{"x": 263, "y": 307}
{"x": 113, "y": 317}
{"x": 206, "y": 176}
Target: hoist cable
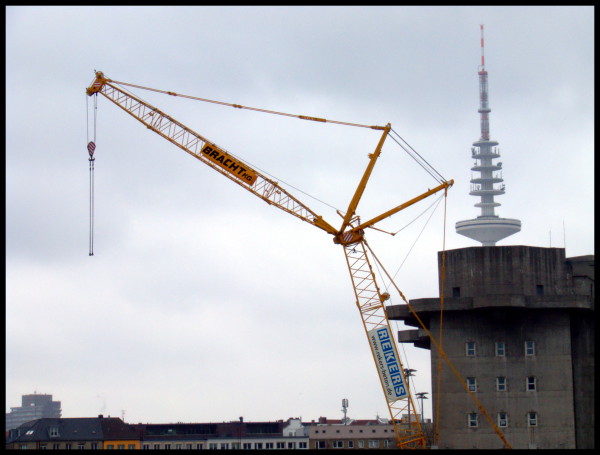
{"x": 436, "y": 178}
{"x": 437, "y": 201}
{"x": 91, "y": 145}
{"x": 442, "y": 281}
{"x": 91, "y": 253}
{"x": 417, "y": 239}
{"x": 421, "y": 161}
{"x": 420, "y": 157}
{"x": 418, "y": 216}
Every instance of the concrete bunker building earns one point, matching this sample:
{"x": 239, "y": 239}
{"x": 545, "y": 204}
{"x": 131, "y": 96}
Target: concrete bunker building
{"x": 518, "y": 325}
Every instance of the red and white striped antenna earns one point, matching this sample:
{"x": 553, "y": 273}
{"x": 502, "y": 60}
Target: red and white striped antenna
{"x": 482, "y": 47}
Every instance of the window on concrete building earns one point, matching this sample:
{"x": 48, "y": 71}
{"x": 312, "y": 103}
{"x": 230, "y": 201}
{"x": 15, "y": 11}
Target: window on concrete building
{"x": 156, "y": 447}
{"x": 281, "y": 445}
{"x": 500, "y": 349}
{"x": 387, "y": 443}
{"x": 456, "y": 292}
{"x": 268, "y": 445}
{"x": 43, "y": 447}
{"x": 53, "y": 431}
{"x": 248, "y": 446}
{"x": 258, "y": 445}
{"x": 146, "y": 447}
{"x": 361, "y": 444}
{"x": 351, "y": 444}
{"x": 529, "y": 348}
{"x": 303, "y": 445}
{"x": 539, "y": 289}
{"x": 189, "y": 446}
{"x": 321, "y": 444}
{"x": 373, "y": 443}
{"x": 212, "y": 446}
{"x": 501, "y": 384}
{"x": 110, "y": 446}
{"x": 530, "y": 384}
{"x": 168, "y": 446}
{"x": 472, "y": 420}
{"x": 472, "y": 384}
{"x": 291, "y": 445}
{"x": 470, "y": 348}
{"x": 338, "y": 444}
{"x": 502, "y": 419}
{"x": 81, "y": 446}
{"x": 178, "y": 446}
{"x": 55, "y": 446}
{"x": 532, "y": 419}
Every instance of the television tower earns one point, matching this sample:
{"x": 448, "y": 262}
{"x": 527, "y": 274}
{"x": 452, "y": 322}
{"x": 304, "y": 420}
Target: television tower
{"x": 487, "y": 228}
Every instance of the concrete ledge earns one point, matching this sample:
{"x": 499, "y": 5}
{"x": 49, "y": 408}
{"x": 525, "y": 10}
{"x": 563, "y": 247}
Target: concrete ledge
{"x": 432, "y": 305}
{"x": 419, "y": 337}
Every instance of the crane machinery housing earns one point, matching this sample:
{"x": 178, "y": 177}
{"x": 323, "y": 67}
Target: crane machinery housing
{"x": 370, "y": 300}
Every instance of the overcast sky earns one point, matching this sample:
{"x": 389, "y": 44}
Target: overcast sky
{"x": 203, "y": 303}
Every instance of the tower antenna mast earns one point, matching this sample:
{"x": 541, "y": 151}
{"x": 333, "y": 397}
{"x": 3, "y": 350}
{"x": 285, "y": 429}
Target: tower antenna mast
{"x": 484, "y": 107}
{"x": 488, "y": 227}
{"x": 482, "y": 49}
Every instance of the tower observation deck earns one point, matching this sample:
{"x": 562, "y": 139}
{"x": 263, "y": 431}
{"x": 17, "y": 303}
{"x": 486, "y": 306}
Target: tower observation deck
{"x": 487, "y": 228}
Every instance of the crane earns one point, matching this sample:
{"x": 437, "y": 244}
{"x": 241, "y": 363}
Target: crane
{"x": 370, "y": 300}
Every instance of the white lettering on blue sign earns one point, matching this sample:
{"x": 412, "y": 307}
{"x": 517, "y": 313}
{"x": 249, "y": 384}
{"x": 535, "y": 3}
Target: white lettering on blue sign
{"x": 388, "y": 365}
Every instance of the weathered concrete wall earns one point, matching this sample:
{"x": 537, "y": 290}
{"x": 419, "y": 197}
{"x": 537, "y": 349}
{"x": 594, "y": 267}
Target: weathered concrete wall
{"x": 582, "y": 343}
{"x": 496, "y": 270}
{"x": 552, "y": 399}
{"x": 512, "y": 294}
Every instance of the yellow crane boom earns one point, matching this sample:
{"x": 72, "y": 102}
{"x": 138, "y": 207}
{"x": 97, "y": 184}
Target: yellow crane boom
{"x": 369, "y": 298}
{"x": 207, "y": 152}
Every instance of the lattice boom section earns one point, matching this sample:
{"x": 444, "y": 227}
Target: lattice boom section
{"x": 193, "y": 143}
{"x": 365, "y": 287}
{"x": 158, "y": 121}
{"x": 373, "y": 315}
{"x": 281, "y": 198}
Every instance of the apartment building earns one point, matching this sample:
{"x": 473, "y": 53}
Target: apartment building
{"x": 74, "y": 433}
{"x": 112, "y": 433}
{"x": 281, "y": 434}
{"x": 351, "y": 434}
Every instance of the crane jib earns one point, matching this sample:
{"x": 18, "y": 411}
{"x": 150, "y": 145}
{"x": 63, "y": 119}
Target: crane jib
{"x": 230, "y": 164}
